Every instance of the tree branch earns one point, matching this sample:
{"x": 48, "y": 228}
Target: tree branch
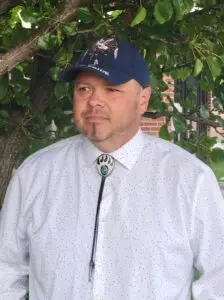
{"x": 219, "y": 132}
{"x": 201, "y": 121}
{"x": 170, "y": 42}
{"x": 176, "y": 67}
{"x": 27, "y": 49}
{"x": 155, "y": 115}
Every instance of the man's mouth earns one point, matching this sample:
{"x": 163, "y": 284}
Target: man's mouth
{"x": 94, "y": 118}
{"x": 90, "y": 116}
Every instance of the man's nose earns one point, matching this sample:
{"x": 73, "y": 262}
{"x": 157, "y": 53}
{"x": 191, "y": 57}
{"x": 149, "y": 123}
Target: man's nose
{"x": 96, "y": 98}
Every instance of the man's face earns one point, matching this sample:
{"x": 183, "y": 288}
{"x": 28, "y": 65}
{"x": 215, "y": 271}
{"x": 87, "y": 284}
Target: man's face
{"x": 108, "y": 115}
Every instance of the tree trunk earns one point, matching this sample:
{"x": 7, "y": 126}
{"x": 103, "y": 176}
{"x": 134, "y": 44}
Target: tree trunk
{"x": 11, "y": 146}
{"x": 13, "y": 143}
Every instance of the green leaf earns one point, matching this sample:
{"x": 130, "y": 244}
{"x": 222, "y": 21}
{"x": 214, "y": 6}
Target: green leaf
{"x": 210, "y": 2}
{"x": 188, "y": 145}
{"x": 217, "y": 155}
{"x": 205, "y": 85}
{"x": 4, "y": 114}
{"x": 218, "y": 104}
{"x": 221, "y": 121}
{"x": 48, "y": 42}
{"x": 182, "y": 7}
{"x": 29, "y": 16}
{"x": 116, "y": 13}
{"x": 70, "y": 29}
{"x": 182, "y": 73}
{"x": 54, "y": 73}
{"x": 14, "y": 18}
{"x": 22, "y": 100}
{"x": 187, "y": 103}
{"x": 84, "y": 15}
{"x": 164, "y": 133}
{"x": 214, "y": 65}
{"x": 140, "y": 17}
{"x": 210, "y": 45}
{"x": 222, "y": 58}
{"x": 158, "y": 105}
{"x": 64, "y": 56}
{"x": 61, "y": 90}
{"x": 179, "y": 123}
{"x": 4, "y": 86}
{"x": 3, "y": 124}
{"x": 163, "y": 11}
{"x": 204, "y": 113}
{"x": 43, "y": 41}
{"x": 162, "y": 59}
{"x": 189, "y": 5}
{"x": 198, "y": 67}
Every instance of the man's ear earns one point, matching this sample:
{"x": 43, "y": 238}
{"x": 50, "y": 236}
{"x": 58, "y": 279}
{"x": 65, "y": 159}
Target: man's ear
{"x": 144, "y": 99}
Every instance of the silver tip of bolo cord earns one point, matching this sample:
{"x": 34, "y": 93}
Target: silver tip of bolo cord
{"x": 91, "y": 270}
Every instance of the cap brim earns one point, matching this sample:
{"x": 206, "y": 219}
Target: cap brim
{"x": 113, "y": 77}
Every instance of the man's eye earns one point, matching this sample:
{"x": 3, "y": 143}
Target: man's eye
{"x": 83, "y": 89}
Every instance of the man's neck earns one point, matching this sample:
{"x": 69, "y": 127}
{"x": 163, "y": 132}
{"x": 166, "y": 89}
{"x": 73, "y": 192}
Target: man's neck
{"x": 112, "y": 144}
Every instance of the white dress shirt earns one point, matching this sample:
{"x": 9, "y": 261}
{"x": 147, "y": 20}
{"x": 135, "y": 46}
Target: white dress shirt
{"x": 162, "y": 215}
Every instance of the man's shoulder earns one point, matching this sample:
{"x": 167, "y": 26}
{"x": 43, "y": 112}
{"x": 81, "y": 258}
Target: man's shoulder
{"x": 171, "y": 153}
{"x": 53, "y": 152}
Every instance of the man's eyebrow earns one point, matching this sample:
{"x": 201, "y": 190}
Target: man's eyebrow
{"x": 113, "y": 85}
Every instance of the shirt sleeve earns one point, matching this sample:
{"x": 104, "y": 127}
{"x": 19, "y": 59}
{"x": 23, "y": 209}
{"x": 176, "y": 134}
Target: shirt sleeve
{"x": 13, "y": 245}
{"x": 207, "y": 236}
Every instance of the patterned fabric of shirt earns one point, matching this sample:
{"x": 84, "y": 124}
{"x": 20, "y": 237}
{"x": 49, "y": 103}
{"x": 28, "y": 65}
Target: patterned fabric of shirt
{"x": 161, "y": 217}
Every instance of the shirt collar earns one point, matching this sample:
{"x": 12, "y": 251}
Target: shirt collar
{"x": 127, "y": 155}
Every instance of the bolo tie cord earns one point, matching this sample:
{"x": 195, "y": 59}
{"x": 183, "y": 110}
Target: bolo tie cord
{"x": 95, "y": 235}
{"x": 105, "y": 165}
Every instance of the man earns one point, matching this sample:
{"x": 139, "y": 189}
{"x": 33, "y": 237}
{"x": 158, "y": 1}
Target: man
{"x": 158, "y": 217}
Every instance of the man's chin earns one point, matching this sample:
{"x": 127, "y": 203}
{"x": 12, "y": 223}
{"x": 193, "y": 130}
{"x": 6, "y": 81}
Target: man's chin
{"x": 95, "y": 135}
{"x": 96, "y": 139}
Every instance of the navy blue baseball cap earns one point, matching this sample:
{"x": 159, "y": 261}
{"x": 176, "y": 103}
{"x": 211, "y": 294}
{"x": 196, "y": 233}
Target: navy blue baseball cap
{"x": 114, "y": 60}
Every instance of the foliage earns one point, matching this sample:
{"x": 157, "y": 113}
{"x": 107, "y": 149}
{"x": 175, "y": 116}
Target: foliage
{"x": 218, "y": 169}
{"x": 200, "y": 146}
{"x": 182, "y": 38}
{"x": 218, "y": 155}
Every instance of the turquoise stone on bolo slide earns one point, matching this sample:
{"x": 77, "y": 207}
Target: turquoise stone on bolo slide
{"x": 104, "y": 170}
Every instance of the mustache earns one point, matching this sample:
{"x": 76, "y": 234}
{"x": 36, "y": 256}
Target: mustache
{"x": 96, "y": 113}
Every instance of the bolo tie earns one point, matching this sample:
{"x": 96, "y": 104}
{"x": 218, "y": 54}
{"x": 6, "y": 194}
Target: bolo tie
{"x": 105, "y": 166}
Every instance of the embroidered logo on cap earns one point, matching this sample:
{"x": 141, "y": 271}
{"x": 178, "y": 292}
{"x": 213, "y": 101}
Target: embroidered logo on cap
{"x": 102, "y": 46}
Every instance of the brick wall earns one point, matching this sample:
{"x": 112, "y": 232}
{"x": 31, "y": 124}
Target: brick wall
{"x": 152, "y": 126}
